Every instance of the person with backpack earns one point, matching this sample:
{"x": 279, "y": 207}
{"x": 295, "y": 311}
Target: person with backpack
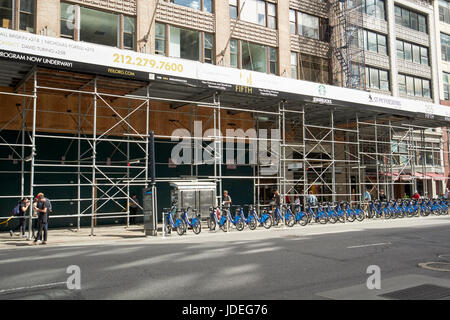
{"x": 43, "y": 208}
{"x": 19, "y": 211}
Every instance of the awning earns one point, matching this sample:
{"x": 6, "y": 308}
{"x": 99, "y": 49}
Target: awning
{"x": 436, "y": 176}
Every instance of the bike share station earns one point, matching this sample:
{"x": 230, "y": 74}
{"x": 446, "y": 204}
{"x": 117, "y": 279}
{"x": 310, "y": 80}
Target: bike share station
{"x": 89, "y": 148}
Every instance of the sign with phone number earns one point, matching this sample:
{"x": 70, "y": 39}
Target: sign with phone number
{"x": 154, "y": 64}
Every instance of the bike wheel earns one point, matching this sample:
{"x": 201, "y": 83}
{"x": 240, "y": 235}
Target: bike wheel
{"x": 168, "y": 229}
{"x": 268, "y": 222}
{"x": 197, "y": 227}
{"x": 341, "y": 218}
{"x": 224, "y": 226}
{"x": 332, "y": 219}
{"x": 290, "y": 221}
{"x": 303, "y": 221}
{"x": 323, "y": 219}
{"x": 240, "y": 225}
{"x": 212, "y": 224}
{"x": 181, "y": 229}
{"x": 361, "y": 215}
{"x": 252, "y": 224}
{"x": 351, "y": 217}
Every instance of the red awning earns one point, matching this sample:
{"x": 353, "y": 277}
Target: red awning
{"x": 436, "y": 176}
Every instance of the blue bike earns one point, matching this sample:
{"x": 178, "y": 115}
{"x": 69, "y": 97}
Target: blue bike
{"x": 287, "y": 217}
{"x": 250, "y": 221}
{"x": 236, "y": 221}
{"x": 265, "y": 219}
{"x": 170, "y": 224}
{"x": 301, "y": 217}
{"x": 194, "y": 223}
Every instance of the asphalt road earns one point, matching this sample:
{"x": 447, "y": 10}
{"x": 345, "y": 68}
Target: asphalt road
{"x": 266, "y": 265}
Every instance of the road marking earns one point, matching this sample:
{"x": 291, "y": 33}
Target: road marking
{"x": 370, "y": 245}
{"x": 32, "y": 287}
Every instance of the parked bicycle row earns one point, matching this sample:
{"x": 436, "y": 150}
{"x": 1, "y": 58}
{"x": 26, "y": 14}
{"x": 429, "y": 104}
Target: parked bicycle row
{"x": 289, "y": 215}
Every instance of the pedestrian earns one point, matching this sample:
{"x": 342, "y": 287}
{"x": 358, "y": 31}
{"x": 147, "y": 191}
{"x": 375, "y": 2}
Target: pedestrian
{"x": 297, "y": 203}
{"x": 43, "y": 208}
{"x": 19, "y": 211}
{"x": 133, "y": 205}
{"x": 311, "y": 198}
{"x": 446, "y": 193}
{"x": 367, "y": 197}
{"x": 276, "y": 198}
{"x": 226, "y": 200}
{"x": 416, "y": 196}
{"x": 382, "y": 196}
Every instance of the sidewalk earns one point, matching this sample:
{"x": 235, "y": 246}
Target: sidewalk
{"x": 135, "y": 234}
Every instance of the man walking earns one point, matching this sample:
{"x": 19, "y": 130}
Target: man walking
{"x": 43, "y": 208}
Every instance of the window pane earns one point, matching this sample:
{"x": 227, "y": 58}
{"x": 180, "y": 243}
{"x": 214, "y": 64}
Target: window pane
{"x": 294, "y": 65}
{"x": 273, "y": 59}
{"x": 410, "y": 86}
{"x": 160, "y": 39}
{"x": 424, "y": 55}
{"x": 67, "y": 22}
{"x": 422, "y": 24}
{"x": 309, "y": 25}
{"x": 405, "y": 18}
{"x": 381, "y": 14}
{"x": 129, "y": 32}
{"x": 408, "y": 51}
{"x": 382, "y": 44}
{"x": 372, "y": 39}
{"x": 416, "y": 54}
{"x": 374, "y": 80}
{"x": 194, "y": 4}
{"x": 414, "y": 21}
{"x": 400, "y": 52}
{"x": 254, "y": 57}
{"x": 384, "y": 80}
{"x": 398, "y": 15}
{"x": 209, "y": 48}
{"x": 417, "y": 87}
{"x": 370, "y": 7}
{"x": 426, "y": 88}
{"x": 292, "y": 21}
{"x": 26, "y": 16}
{"x": 401, "y": 84}
{"x": 6, "y": 14}
{"x": 184, "y": 43}
{"x": 254, "y": 11}
{"x": 99, "y": 27}
{"x": 234, "y": 53}
{"x": 207, "y": 5}
{"x": 233, "y": 9}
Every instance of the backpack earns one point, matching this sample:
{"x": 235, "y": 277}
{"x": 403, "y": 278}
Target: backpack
{"x": 16, "y": 210}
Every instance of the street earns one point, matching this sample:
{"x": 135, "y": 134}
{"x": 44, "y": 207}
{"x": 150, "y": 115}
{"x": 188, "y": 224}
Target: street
{"x": 312, "y": 262}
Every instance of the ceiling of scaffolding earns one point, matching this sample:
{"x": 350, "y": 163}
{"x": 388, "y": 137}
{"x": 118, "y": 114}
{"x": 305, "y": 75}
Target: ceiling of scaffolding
{"x": 61, "y": 63}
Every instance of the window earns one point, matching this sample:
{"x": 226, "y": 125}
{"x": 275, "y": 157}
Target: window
{"x": 99, "y": 27}
{"x": 416, "y": 53}
{"x": 129, "y": 32}
{"x": 67, "y": 20}
{"x": 424, "y": 56}
{"x": 254, "y": 57}
{"x": 6, "y": 14}
{"x": 234, "y": 53}
{"x": 446, "y": 78}
{"x": 204, "y": 5}
{"x": 308, "y": 26}
{"x": 413, "y": 86}
{"x": 27, "y": 11}
{"x": 408, "y": 51}
{"x": 371, "y": 41}
{"x": 400, "y": 50}
{"x": 444, "y": 11}
{"x": 184, "y": 43}
{"x": 209, "y": 48}
{"x": 160, "y": 39}
{"x": 292, "y": 22}
{"x": 233, "y": 9}
{"x": 373, "y": 8}
{"x": 294, "y": 65}
{"x": 254, "y": 11}
{"x": 313, "y": 68}
{"x": 410, "y": 19}
{"x": 377, "y": 78}
{"x": 445, "y": 47}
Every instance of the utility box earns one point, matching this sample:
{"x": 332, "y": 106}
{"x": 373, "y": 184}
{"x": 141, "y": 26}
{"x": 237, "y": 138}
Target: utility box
{"x": 195, "y": 194}
{"x": 150, "y": 211}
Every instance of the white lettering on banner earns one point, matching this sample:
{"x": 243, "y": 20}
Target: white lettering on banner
{"x": 58, "y": 50}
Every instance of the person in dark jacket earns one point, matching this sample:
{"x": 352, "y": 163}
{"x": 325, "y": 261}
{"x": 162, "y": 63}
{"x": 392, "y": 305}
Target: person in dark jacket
{"x": 23, "y": 207}
{"x": 382, "y": 197}
{"x": 43, "y": 209}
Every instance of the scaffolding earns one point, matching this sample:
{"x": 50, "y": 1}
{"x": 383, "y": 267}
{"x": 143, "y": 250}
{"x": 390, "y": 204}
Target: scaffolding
{"x": 103, "y": 125}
